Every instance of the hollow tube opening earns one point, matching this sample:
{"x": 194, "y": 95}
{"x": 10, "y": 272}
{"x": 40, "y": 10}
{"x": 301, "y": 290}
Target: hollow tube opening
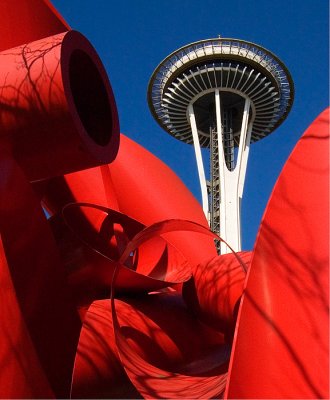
{"x": 90, "y": 97}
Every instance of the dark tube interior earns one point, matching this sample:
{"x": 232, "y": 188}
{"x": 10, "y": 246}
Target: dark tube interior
{"x": 90, "y": 97}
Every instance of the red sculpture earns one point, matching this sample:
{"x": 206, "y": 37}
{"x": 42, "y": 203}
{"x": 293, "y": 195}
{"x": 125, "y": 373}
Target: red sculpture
{"x": 285, "y": 302}
{"x": 122, "y": 295}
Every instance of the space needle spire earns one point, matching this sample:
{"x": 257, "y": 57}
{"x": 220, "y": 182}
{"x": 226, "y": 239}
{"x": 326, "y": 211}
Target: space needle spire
{"x": 222, "y": 94}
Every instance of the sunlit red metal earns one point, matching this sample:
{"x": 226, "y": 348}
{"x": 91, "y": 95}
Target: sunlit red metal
{"x": 166, "y": 352}
{"x": 51, "y": 322}
{"x": 98, "y": 371}
{"x": 93, "y": 185}
{"x": 36, "y": 19}
{"x": 281, "y": 349}
{"x": 119, "y": 186}
{"x": 58, "y": 113}
{"x": 22, "y": 376}
{"x": 92, "y": 239}
{"x": 214, "y": 292}
{"x": 162, "y": 197}
{"x": 127, "y": 231}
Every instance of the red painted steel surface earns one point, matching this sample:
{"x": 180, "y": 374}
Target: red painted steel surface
{"x": 140, "y": 185}
{"x": 92, "y": 239}
{"x": 38, "y": 278}
{"x": 165, "y": 351}
{"x": 21, "y": 374}
{"x": 58, "y": 113}
{"x": 281, "y": 348}
{"x": 143, "y": 232}
{"x": 24, "y": 21}
{"x": 199, "y": 366}
{"x": 162, "y": 336}
{"x": 214, "y": 292}
{"x": 158, "y": 195}
{"x": 98, "y": 371}
{"x": 93, "y": 185}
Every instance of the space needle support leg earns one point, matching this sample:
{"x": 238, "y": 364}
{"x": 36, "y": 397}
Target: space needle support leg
{"x": 222, "y": 170}
{"x": 242, "y": 158}
{"x": 199, "y": 160}
{"x": 232, "y": 182}
{"x": 244, "y": 147}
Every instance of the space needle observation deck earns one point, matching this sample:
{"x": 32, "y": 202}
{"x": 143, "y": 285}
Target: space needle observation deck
{"x": 221, "y": 94}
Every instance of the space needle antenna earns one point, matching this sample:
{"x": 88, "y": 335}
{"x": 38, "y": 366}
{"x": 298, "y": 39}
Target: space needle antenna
{"x": 221, "y": 94}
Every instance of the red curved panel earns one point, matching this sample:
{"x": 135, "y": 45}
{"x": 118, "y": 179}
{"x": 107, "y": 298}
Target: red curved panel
{"x": 38, "y": 279}
{"x": 215, "y": 289}
{"x": 92, "y": 185}
{"x": 24, "y": 21}
{"x": 150, "y": 192}
{"x": 168, "y": 354}
{"x": 281, "y": 348}
{"x": 162, "y": 347}
{"x": 140, "y": 185}
{"x": 98, "y": 372}
{"x": 94, "y": 241}
{"x": 58, "y": 113}
{"x": 198, "y": 370}
{"x": 21, "y": 373}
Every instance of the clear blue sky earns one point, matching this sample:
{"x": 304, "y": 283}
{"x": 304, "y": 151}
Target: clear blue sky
{"x": 133, "y": 36}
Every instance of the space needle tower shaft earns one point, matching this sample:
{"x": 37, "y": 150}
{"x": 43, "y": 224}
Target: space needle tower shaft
{"x": 222, "y": 196}
{"x": 221, "y": 94}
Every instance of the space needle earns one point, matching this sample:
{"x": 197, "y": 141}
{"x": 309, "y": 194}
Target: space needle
{"x": 221, "y": 94}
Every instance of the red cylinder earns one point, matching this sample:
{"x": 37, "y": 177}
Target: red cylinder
{"x": 58, "y": 112}
{"x": 36, "y": 19}
{"x": 93, "y": 185}
{"x": 39, "y": 297}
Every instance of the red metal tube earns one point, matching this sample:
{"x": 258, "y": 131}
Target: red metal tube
{"x": 58, "y": 113}
{"x": 38, "y": 278}
{"x": 23, "y": 21}
{"x": 281, "y": 349}
{"x": 93, "y": 185}
{"x": 22, "y": 375}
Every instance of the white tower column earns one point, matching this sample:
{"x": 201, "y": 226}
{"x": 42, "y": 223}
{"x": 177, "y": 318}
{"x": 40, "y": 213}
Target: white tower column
{"x": 232, "y": 182}
{"x": 199, "y": 160}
